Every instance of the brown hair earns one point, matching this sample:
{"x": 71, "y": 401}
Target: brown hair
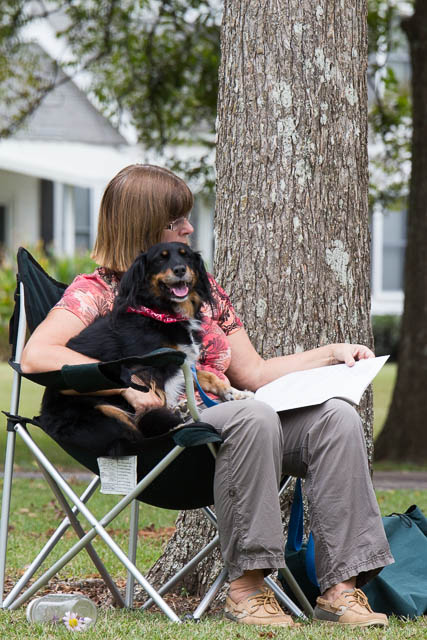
{"x": 137, "y": 205}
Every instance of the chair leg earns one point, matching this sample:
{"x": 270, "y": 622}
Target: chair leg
{"x": 133, "y": 540}
{"x": 98, "y": 526}
{"x": 210, "y": 595}
{"x": 286, "y": 573}
{"x": 282, "y": 597}
{"x": 5, "y": 507}
{"x": 183, "y": 572}
{"x": 117, "y": 597}
{"x": 49, "y": 546}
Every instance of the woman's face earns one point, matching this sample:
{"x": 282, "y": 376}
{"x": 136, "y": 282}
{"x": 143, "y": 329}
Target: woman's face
{"x": 180, "y": 231}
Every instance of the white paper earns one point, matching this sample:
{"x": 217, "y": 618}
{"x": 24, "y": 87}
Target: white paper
{"x": 118, "y": 475}
{"x": 314, "y": 386}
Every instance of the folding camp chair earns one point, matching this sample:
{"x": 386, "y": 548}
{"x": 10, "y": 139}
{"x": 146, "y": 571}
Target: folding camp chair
{"x": 166, "y": 471}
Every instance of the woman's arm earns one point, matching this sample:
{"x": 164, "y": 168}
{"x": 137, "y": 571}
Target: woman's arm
{"x": 46, "y": 351}
{"x": 248, "y": 370}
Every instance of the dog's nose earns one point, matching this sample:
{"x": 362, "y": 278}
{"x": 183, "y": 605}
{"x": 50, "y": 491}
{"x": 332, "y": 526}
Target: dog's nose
{"x": 179, "y": 270}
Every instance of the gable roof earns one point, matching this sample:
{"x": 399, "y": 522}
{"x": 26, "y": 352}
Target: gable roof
{"x": 66, "y": 114}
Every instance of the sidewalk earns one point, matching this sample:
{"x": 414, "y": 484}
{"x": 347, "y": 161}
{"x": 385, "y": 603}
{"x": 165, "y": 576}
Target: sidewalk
{"x": 383, "y": 480}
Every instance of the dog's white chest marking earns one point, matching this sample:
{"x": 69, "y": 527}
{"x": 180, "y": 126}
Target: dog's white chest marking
{"x": 175, "y": 387}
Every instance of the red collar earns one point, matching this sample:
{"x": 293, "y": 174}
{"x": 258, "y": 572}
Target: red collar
{"x": 156, "y": 315}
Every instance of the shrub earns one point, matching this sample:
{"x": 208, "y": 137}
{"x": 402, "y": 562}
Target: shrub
{"x": 62, "y": 268}
{"x": 386, "y": 331}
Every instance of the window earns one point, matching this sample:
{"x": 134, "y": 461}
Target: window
{"x": 202, "y": 219}
{"x": 394, "y": 243}
{"x": 82, "y": 218}
{"x": 46, "y": 212}
{"x": 2, "y": 225}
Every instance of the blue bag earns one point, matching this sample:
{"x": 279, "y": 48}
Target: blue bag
{"x": 299, "y": 556}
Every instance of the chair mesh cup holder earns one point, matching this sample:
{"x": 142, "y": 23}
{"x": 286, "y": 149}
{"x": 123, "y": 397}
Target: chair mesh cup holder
{"x": 165, "y": 471}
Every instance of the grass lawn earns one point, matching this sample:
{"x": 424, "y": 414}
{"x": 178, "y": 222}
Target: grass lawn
{"x": 34, "y": 515}
{"x": 116, "y": 625}
{"x": 31, "y": 395}
{"x": 382, "y": 387}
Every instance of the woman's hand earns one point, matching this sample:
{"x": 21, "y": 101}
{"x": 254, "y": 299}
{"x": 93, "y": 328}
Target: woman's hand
{"x": 143, "y": 401}
{"x": 349, "y": 353}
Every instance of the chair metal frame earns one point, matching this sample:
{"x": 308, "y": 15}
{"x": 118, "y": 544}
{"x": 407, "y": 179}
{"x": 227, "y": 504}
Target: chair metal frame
{"x": 61, "y": 489}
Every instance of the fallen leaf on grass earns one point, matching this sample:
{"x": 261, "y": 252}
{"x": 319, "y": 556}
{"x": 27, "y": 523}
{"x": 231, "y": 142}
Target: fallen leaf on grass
{"x": 163, "y": 532}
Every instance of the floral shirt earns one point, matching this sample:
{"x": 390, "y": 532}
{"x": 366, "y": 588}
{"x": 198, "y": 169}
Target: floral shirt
{"x": 92, "y": 295}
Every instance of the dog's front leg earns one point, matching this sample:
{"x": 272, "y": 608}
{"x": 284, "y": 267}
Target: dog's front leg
{"x": 210, "y": 383}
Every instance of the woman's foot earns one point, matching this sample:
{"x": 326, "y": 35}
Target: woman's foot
{"x": 351, "y": 608}
{"x": 260, "y": 607}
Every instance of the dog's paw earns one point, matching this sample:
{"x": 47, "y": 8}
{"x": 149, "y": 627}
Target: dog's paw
{"x": 237, "y": 394}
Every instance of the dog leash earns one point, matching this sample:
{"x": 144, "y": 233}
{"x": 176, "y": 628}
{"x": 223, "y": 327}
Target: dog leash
{"x": 208, "y": 402}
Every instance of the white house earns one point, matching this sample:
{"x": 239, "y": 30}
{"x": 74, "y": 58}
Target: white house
{"x": 388, "y": 227}
{"x": 53, "y": 172}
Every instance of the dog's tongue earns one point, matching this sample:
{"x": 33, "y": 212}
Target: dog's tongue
{"x": 180, "y": 291}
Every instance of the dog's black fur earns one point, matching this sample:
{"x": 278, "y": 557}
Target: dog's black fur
{"x": 107, "y": 425}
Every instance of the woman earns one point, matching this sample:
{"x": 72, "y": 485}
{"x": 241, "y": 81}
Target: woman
{"x": 142, "y": 205}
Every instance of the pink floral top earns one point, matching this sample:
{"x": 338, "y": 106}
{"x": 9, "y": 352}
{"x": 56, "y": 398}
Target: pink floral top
{"x": 92, "y": 295}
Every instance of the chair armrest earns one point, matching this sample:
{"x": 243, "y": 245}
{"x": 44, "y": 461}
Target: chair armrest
{"x": 98, "y": 376}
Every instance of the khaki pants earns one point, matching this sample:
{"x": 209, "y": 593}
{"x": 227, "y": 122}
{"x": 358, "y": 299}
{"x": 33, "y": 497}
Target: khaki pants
{"x": 323, "y": 444}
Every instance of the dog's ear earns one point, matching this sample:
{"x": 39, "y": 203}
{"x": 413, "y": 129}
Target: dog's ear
{"x": 203, "y": 286}
{"x": 132, "y": 282}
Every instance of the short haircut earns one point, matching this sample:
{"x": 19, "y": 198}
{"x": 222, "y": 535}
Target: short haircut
{"x": 137, "y": 205}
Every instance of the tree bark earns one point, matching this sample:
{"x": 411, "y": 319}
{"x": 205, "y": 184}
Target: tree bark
{"x": 292, "y": 212}
{"x": 404, "y": 436}
{"x": 291, "y": 218}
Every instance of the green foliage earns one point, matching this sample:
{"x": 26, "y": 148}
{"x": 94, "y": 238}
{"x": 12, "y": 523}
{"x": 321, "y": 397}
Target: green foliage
{"x": 62, "y": 268}
{"x": 390, "y": 113}
{"x": 134, "y": 625}
{"x": 65, "y": 268}
{"x": 7, "y": 288}
{"x": 156, "y": 61}
{"x": 386, "y": 330}
{"x": 159, "y": 63}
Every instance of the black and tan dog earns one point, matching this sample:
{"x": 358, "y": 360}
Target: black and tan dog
{"x": 158, "y": 305}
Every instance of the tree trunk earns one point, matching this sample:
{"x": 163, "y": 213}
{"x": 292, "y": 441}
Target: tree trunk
{"x": 292, "y": 209}
{"x": 404, "y": 436}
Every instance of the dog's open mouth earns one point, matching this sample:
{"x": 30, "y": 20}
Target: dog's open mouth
{"x": 180, "y": 290}
{"x": 177, "y": 291}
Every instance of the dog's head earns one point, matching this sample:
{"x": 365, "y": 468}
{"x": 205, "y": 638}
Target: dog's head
{"x": 169, "y": 276}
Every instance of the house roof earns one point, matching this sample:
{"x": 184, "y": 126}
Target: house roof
{"x": 66, "y": 114}
{"x": 85, "y": 165}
